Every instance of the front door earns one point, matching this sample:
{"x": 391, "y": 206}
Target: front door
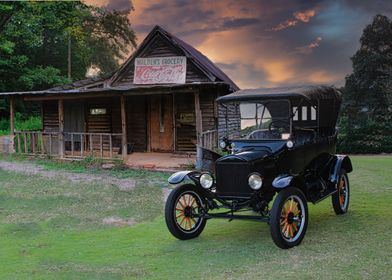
{"x": 161, "y": 123}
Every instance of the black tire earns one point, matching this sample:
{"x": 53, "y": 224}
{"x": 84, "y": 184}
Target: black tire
{"x": 341, "y": 198}
{"x": 288, "y": 225}
{"x": 183, "y": 202}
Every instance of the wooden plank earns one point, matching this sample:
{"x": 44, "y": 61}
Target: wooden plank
{"x": 25, "y": 142}
{"x": 19, "y": 144}
{"x": 91, "y": 144}
{"x": 198, "y": 116}
{"x": 50, "y": 143}
{"x": 110, "y": 147}
{"x": 12, "y": 115}
{"x": 33, "y": 143}
{"x": 123, "y": 127}
{"x": 61, "y": 127}
{"x": 100, "y": 145}
{"x": 72, "y": 144}
{"x": 42, "y": 143}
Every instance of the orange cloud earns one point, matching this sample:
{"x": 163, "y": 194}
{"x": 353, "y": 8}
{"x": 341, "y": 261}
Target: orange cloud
{"x": 309, "y": 48}
{"x": 304, "y": 16}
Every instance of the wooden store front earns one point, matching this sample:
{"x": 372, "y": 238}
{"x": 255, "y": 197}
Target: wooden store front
{"x": 162, "y": 99}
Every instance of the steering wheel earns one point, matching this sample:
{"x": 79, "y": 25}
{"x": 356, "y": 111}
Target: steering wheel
{"x": 281, "y": 128}
{"x": 253, "y": 134}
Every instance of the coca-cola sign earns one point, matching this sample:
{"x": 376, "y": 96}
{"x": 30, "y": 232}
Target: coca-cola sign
{"x": 160, "y": 70}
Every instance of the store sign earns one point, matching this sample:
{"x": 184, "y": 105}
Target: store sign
{"x": 187, "y": 118}
{"x": 160, "y": 70}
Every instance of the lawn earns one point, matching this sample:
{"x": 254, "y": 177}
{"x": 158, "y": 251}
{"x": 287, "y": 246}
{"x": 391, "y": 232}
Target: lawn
{"x": 53, "y": 229}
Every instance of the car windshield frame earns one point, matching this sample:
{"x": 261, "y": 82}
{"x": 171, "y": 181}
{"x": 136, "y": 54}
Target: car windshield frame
{"x": 288, "y": 118}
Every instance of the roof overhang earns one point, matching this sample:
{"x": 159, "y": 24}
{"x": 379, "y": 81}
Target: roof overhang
{"x": 307, "y": 92}
{"x": 115, "y": 91}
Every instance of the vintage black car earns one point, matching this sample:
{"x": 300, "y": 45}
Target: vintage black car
{"x": 280, "y": 146}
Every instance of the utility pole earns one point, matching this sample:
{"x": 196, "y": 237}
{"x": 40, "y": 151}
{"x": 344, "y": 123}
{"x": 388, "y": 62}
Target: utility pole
{"x": 69, "y": 56}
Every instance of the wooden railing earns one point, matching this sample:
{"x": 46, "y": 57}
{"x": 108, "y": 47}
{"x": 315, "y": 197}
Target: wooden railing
{"x": 102, "y": 145}
{"x": 71, "y": 144}
{"x": 36, "y": 142}
{"x": 209, "y": 139}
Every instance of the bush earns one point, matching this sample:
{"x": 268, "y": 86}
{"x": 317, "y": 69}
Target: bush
{"x": 30, "y": 123}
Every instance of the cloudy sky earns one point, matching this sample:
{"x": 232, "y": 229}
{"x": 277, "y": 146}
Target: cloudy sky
{"x": 261, "y": 43}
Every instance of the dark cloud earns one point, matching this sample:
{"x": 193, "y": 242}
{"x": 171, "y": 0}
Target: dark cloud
{"x": 237, "y": 34}
{"x": 239, "y": 22}
{"x": 119, "y": 5}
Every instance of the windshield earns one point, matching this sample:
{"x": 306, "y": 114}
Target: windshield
{"x": 266, "y": 120}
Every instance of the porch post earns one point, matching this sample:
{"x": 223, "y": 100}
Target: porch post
{"x": 12, "y": 115}
{"x": 12, "y": 125}
{"x": 123, "y": 128}
{"x": 199, "y": 127}
{"x": 61, "y": 127}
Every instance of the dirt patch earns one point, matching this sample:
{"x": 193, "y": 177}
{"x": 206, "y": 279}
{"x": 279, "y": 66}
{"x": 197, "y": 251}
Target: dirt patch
{"x": 32, "y": 169}
{"x": 117, "y": 221}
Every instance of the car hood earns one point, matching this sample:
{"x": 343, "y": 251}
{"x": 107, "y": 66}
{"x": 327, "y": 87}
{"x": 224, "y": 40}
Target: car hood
{"x": 246, "y": 155}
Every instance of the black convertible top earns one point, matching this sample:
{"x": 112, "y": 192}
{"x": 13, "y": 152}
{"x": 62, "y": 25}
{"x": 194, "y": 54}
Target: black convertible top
{"x": 312, "y": 92}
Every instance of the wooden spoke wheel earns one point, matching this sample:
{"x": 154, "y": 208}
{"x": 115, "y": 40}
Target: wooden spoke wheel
{"x": 289, "y": 218}
{"x": 183, "y": 212}
{"x": 341, "y": 198}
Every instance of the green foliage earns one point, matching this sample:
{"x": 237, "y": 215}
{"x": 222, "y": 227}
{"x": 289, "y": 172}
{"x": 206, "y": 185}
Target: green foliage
{"x": 30, "y": 123}
{"x": 367, "y": 100}
{"x": 34, "y": 37}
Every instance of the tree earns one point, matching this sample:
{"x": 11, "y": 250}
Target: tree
{"x": 34, "y": 39}
{"x": 367, "y": 100}
{"x": 34, "y": 42}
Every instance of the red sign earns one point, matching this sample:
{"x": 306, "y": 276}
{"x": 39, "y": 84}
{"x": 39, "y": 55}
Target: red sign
{"x": 160, "y": 70}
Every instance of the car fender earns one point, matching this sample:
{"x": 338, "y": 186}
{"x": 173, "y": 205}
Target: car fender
{"x": 180, "y": 176}
{"x": 282, "y": 181}
{"x": 342, "y": 161}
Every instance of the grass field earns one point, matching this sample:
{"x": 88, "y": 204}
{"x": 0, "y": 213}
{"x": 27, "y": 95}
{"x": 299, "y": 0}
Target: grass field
{"x": 53, "y": 229}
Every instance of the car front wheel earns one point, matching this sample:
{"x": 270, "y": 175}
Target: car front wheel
{"x": 183, "y": 212}
{"x": 289, "y": 218}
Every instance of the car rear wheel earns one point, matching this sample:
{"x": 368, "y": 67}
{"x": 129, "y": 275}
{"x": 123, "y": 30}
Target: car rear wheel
{"x": 183, "y": 210}
{"x": 341, "y": 198}
{"x": 289, "y": 218}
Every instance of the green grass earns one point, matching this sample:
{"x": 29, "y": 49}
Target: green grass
{"x": 52, "y": 229}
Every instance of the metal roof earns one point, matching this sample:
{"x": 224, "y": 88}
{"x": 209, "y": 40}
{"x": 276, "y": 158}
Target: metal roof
{"x": 311, "y": 92}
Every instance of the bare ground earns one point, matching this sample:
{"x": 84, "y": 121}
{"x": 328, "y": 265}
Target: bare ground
{"x": 33, "y": 169}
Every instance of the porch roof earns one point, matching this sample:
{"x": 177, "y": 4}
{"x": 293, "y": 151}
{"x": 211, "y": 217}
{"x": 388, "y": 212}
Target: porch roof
{"x": 119, "y": 90}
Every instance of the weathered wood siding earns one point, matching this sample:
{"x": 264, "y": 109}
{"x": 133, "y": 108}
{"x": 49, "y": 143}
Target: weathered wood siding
{"x": 229, "y": 123}
{"x": 50, "y": 116}
{"x": 160, "y": 47}
{"x": 136, "y": 108}
{"x": 209, "y": 112}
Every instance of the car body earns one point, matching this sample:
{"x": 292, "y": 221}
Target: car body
{"x": 280, "y": 148}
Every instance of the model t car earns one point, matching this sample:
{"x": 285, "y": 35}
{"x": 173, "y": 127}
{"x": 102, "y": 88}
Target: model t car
{"x": 280, "y": 154}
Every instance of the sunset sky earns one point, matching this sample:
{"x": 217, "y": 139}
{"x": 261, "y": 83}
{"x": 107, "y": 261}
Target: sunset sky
{"x": 263, "y": 43}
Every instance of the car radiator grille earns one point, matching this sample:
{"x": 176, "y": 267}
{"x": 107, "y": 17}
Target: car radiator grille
{"x": 232, "y": 179}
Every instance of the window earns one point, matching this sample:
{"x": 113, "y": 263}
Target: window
{"x": 304, "y": 113}
{"x": 313, "y": 113}
{"x": 295, "y": 112}
{"x": 98, "y": 111}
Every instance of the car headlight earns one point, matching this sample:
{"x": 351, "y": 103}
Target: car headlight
{"x": 222, "y": 144}
{"x": 255, "y": 181}
{"x": 206, "y": 180}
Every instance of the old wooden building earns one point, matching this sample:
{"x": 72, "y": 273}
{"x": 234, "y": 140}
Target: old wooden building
{"x": 162, "y": 99}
